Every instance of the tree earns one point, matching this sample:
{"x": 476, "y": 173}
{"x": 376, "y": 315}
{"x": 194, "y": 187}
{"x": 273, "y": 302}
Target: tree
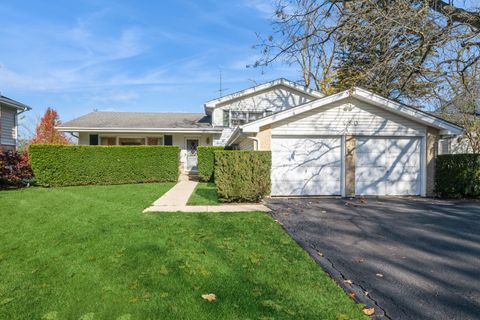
{"x": 402, "y": 49}
{"x": 46, "y": 133}
{"x": 313, "y": 58}
{"x": 463, "y": 106}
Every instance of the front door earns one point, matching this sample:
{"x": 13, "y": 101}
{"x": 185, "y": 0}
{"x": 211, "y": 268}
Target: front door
{"x": 192, "y": 145}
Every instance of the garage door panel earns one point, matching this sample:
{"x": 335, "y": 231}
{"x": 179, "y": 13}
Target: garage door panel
{"x": 321, "y": 187}
{"x": 370, "y": 160}
{"x": 388, "y": 166}
{"x": 319, "y": 172}
{"x": 369, "y": 173}
{"x": 403, "y": 187}
{"x": 306, "y": 166}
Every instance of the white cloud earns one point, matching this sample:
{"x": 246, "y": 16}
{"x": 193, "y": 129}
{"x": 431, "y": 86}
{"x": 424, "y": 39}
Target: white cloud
{"x": 265, "y": 7}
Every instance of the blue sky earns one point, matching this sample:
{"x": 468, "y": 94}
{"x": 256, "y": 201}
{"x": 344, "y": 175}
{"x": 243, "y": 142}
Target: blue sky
{"x": 76, "y": 56}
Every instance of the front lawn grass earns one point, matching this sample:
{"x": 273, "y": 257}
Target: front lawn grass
{"x": 90, "y": 253}
{"x": 205, "y": 193}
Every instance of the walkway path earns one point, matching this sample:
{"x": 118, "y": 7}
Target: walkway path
{"x": 176, "y": 200}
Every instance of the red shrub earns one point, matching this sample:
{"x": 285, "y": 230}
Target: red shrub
{"x": 15, "y": 171}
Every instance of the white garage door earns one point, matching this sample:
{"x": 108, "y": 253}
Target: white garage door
{"x": 306, "y": 166}
{"x": 387, "y": 166}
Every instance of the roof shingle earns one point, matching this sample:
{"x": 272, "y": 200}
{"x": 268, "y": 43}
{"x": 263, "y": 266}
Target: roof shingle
{"x": 135, "y": 120}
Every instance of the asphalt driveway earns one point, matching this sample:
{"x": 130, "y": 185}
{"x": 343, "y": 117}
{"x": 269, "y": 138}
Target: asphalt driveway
{"x": 410, "y": 258}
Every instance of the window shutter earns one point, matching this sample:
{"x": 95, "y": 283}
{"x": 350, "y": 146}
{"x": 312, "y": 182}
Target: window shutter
{"x": 168, "y": 140}
{"x": 94, "y": 139}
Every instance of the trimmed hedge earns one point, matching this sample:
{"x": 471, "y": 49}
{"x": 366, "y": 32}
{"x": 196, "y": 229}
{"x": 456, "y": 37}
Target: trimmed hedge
{"x": 458, "y": 175}
{"x": 68, "y": 165}
{"x": 206, "y": 162}
{"x": 242, "y": 176}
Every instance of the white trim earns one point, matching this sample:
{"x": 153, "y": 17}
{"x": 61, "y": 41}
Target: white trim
{"x": 290, "y": 84}
{"x": 139, "y": 130}
{"x": 15, "y": 104}
{"x": 361, "y": 94}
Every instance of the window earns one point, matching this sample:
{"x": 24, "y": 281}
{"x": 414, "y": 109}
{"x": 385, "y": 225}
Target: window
{"x": 154, "y": 141}
{"x": 226, "y": 118}
{"x": 94, "y": 140}
{"x": 131, "y": 141}
{"x": 168, "y": 140}
{"x": 255, "y": 115}
{"x": 238, "y": 118}
{"x": 108, "y": 141}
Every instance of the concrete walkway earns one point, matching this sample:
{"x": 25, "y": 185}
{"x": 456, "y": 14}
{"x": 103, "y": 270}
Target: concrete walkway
{"x": 175, "y": 200}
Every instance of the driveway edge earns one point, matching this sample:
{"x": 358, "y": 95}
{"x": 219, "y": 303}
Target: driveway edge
{"x": 359, "y": 293}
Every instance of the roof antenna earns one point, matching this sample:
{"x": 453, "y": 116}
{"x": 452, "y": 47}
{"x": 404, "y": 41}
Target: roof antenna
{"x": 221, "y": 89}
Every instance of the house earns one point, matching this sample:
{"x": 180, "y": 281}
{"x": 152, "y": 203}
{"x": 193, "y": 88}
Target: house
{"x": 9, "y": 111}
{"x": 350, "y": 143}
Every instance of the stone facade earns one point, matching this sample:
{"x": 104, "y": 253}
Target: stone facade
{"x": 432, "y": 151}
{"x": 350, "y": 142}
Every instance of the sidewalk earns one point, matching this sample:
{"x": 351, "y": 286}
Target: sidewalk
{"x": 175, "y": 200}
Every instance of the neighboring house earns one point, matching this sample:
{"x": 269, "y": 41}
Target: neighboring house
{"x": 346, "y": 144}
{"x": 9, "y": 111}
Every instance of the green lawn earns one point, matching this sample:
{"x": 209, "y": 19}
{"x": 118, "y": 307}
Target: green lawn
{"x": 89, "y": 253}
{"x": 204, "y": 194}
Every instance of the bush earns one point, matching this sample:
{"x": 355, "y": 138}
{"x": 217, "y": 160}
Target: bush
{"x": 206, "y": 162}
{"x": 67, "y": 165}
{"x": 15, "y": 171}
{"x": 242, "y": 175}
{"x": 458, "y": 175}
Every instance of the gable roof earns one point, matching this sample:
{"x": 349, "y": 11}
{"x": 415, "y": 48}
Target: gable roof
{"x": 138, "y": 122}
{"x": 263, "y": 87}
{"x": 14, "y": 104}
{"x": 414, "y": 114}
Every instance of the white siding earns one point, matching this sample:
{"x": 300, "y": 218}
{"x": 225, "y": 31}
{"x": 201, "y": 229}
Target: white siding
{"x": 352, "y": 117}
{"x": 276, "y": 99}
{"x": 246, "y": 144}
{"x": 7, "y": 125}
{"x": 455, "y": 145}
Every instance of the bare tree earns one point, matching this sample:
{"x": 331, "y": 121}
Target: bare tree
{"x": 402, "y": 49}
{"x": 460, "y": 103}
{"x": 298, "y": 41}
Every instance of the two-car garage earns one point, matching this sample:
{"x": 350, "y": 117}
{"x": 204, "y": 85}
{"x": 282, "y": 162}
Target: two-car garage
{"x": 351, "y": 143}
{"x": 316, "y": 166}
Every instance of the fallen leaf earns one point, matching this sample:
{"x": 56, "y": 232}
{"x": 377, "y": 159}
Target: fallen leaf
{"x": 369, "y": 311}
{"x": 209, "y": 297}
{"x": 320, "y": 254}
{"x": 352, "y": 295}
{"x": 379, "y": 275}
{"x": 348, "y": 281}
{"x": 363, "y": 201}
{"x": 360, "y": 260}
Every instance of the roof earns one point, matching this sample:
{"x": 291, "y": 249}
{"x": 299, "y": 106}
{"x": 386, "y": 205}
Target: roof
{"x": 262, "y": 87}
{"x": 14, "y": 104}
{"x": 138, "y": 121}
{"x": 414, "y": 114}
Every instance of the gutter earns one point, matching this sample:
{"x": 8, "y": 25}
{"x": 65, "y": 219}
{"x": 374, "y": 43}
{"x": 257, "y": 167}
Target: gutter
{"x": 138, "y": 130}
